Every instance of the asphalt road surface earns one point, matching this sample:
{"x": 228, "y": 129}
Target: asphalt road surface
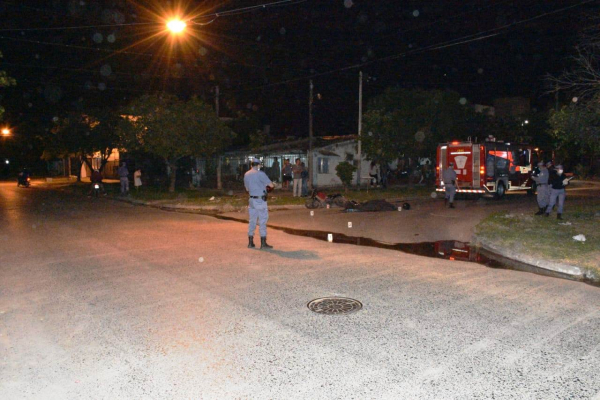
{"x": 103, "y": 300}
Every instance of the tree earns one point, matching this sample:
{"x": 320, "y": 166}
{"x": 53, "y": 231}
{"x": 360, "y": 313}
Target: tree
{"x": 170, "y": 128}
{"x": 344, "y": 171}
{"x": 412, "y": 122}
{"x": 5, "y": 81}
{"x": 576, "y": 129}
{"x": 82, "y": 135}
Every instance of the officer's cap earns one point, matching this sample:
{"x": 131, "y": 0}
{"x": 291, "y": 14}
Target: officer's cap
{"x": 559, "y": 166}
{"x": 451, "y": 164}
{"x": 541, "y": 164}
{"x": 255, "y": 160}
{"x": 549, "y": 164}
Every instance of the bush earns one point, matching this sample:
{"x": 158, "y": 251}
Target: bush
{"x": 582, "y": 171}
{"x": 344, "y": 171}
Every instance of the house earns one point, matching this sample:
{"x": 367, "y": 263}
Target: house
{"x": 327, "y": 153}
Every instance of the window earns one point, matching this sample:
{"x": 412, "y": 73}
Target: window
{"x": 323, "y": 164}
{"x": 349, "y": 157}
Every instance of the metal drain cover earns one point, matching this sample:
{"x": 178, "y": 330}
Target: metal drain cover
{"x": 334, "y": 305}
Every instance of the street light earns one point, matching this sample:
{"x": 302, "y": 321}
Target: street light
{"x": 5, "y": 131}
{"x": 176, "y": 25}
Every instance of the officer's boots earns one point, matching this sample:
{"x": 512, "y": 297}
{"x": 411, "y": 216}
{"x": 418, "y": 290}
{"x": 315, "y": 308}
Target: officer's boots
{"x": 451, "y": 205}
{"x": 264, "y": 244}
{"x": 558, "y": 216}
{"x": 251, "y": 242}
{"x": 540, "y": 211}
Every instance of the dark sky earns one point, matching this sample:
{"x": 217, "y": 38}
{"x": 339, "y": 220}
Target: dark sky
{"x": 73, "y": 54}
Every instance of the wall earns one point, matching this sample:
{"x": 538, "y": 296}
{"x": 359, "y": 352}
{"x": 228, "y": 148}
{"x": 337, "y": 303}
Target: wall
{"x": 331, "y": 178}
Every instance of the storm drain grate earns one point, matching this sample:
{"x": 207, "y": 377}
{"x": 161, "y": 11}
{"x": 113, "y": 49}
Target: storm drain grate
{"x": 334, "y": 305}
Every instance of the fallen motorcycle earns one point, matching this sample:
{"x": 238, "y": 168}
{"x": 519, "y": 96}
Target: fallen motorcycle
{"x": 321, "y": 200}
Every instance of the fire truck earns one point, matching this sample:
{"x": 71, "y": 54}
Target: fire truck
{"x": 492, "y": 167}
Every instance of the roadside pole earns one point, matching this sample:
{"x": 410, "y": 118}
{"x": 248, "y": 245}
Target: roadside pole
{"x": 360, "y": 96}
{"x": 219, "y": 164}
{"x": 310, "y": 137}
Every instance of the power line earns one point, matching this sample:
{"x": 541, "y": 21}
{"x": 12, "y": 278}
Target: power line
{"x": 215, "y": 15}
{"x": 450, "y": 43}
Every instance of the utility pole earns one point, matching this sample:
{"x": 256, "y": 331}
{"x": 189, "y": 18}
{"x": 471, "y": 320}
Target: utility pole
{"x": 360, "y": 96}
{"x": 310, "y": 137}
{"x": 217, "y": 100}
{"x": 219, "y": 163}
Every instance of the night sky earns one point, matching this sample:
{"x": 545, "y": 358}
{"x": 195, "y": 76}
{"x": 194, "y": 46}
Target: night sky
{"x": 71, "y": 54}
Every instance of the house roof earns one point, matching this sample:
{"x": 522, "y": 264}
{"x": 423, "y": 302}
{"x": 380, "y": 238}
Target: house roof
{"x": 297, "y": 145}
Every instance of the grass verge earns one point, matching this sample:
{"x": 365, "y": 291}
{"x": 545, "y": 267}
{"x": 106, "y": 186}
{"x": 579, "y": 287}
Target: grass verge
{"x": 548, "y": 238}
{"x": 238, "y": 198}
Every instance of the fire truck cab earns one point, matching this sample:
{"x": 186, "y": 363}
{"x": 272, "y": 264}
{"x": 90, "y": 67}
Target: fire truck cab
{"x": 492, "y": 167}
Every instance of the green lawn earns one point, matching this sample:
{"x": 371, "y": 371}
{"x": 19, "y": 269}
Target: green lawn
{"x": 549, "y": 238}
{"x": 202, "y": 196}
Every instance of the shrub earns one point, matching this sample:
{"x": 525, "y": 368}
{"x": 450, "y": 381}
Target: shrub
{"x": 344, "y": 171}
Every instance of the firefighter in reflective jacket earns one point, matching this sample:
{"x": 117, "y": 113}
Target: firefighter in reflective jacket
{"x": 449, "y": 178}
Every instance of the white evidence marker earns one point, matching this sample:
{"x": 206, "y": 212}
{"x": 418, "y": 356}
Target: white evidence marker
{"x": 201, "y": 259}
{"x": 330, "y": 237}
{"x": 312, "y": 213}
{"x": 399, "y": 208}
{"x": 349, "y": 224}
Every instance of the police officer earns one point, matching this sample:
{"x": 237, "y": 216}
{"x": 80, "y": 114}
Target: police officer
{"x": 541, "y": 180}
{"x": 449, "y": 178}
{"x": 558, "y": 182}
{"x": 256, "y": 183}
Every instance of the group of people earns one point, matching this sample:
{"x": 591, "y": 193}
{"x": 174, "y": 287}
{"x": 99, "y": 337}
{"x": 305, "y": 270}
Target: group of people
{"x": 123, "y": 173}
{"x": 297, "y": 174}
{"x": 551, "y": 183}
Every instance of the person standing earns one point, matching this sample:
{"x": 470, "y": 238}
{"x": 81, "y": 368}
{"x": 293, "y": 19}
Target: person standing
{"x": 287, "y": 173}
{"x": 374, "y": 173}
{"x": 304, "y": 180}
{"x": 558, "y": 182}
{"x": 449, "y": 178}
{"x": 541, "y": 180}
{"x": 124, "y": 178}
{"x": 275, "y": 171}
{"x": 256, "y": 183}
{"x": 137, "y": 179}
{"x": 297, "y": 173}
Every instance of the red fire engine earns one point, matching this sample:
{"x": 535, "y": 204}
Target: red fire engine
{"x": 491, "y": 167}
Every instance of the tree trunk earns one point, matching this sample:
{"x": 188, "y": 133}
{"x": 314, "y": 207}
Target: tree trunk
{"x": 79, "y": 165}
{"x": 104, "y": 159}
{"x": 219, "y": 167}
{"x": 172, "y": 176}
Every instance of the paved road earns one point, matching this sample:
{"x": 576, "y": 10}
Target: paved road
{"x": 100, "y": 299}
{"x": 427, "y": 220}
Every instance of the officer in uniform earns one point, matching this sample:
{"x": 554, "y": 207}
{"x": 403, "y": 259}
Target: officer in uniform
{"x": 256, "y": 183}
{"x": 541, "y": 180}
{"x": 449, "y": 178}
{"x": 558, "y": 182}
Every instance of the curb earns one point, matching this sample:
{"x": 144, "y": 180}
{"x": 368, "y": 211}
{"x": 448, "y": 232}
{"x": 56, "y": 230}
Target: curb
{"x": 567, "y": 270}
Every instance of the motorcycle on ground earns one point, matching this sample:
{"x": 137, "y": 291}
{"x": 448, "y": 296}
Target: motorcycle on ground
{"x": 321, "y": 200}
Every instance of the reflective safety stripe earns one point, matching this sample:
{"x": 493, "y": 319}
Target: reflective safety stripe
{"x": 463, "y": 190}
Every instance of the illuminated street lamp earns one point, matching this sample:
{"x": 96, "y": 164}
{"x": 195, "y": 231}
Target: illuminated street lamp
{"x": 176, "y": 25}
{"x": 5, "y": 131}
